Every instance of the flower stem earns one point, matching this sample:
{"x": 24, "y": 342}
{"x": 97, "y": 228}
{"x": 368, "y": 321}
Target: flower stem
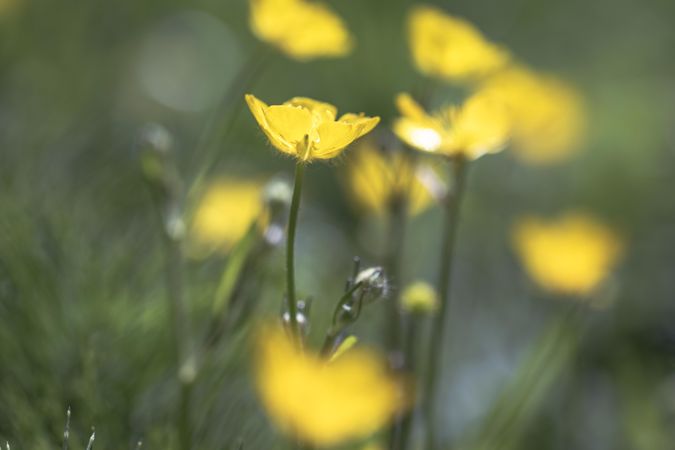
{"x": 290, "y": 248}
{"x": 181, "y": 333}
{"x": 434, "y": 357}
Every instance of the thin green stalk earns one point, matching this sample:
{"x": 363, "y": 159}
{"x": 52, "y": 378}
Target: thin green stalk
{"x": 290, "y": 248}
{"x": 393, "y": 266}
{"x": 181, "y": 333}
{"x": 434, "y": 357}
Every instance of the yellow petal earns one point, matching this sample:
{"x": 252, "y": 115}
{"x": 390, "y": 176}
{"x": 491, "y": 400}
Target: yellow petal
{"x": 259, "y": 109}
{"x": 418, "y": 135}
{"x": 450, "y": 47}
{"x": 409, "y": 108}
{"x": 334, "y": 137}
{"x": 572, "y": 254}
{"x": 548, "y": 114}
{"x": 303, "y": 30}
{"x": 481, "y": 126}
{"x": 324, "y": 110}
{"x": 324, "y": 403}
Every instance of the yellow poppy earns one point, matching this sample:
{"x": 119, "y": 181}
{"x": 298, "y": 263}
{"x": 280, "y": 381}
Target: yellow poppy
{"x": 547, "y": 114}
{"x": 419, "y": 296}
{"x": 570, "y": 255}
{"x": 324, "y": 402}
{"x": 480, "y": 126}
{"x": 303, "y": 30}
{"x": 376, "y": 179}
{"x": 308, "y": 129}
{"x": 225, "y": 212}
{"x": 451, "y": 48}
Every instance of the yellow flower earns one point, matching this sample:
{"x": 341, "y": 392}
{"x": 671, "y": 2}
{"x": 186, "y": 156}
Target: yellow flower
{"x": 480, "y": 126}
{"x": 324, "y": 403}
{"x": 303, "y": 30}
{"x": 308, "y": 129}
{"x": 225, "y": 212}
{"x": 451, "y": 48}
{"x": 570, "y": 255}
{"x": 376, "y": 179}
{"x": 547, "y": 114}
{"x": 419, "y": 296}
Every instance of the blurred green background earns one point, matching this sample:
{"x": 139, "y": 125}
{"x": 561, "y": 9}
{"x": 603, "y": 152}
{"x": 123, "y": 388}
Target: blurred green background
{"x": 82, "y": 301}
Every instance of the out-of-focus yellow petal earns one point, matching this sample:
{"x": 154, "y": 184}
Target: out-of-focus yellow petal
{"x": 225, "y": 212}
{"x": 547, "y": 114}
{"x": 303, "y": 30}
{"x": 418, "y": 135}
{"x": 481, "y": 126}
{"x": 409, "y": 108}
{"x": 419, "y": 297}
{"x": 451, "y": 48}
{"x": 376, "y": 179}
{"x": 324, "y": 403}
{"x": 570, "y": 255}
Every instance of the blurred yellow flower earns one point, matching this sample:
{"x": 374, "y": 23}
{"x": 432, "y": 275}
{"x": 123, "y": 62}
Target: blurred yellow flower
{"x": 419, "y": 296}
{"x": 376, "y": 179}
{"x": 451, "y": 48}
{"x": 480, "y": 126}
{"x": 308, "y": 129}
{"x": 324, "y": 403}
{"x": 225, "y": 212}
{"x": 548, "y": 115}
{"x": 303, "y": 30}
{"x": 569, "y": 255}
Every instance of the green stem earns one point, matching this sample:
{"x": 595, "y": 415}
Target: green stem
{"x": 182, "y": 333}
{"x": 290, "y": 247}
{"x": 434, "y": 357}
{"x": 393, "y": 266}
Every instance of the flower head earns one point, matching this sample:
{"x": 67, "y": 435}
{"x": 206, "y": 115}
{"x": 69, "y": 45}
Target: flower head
{"x": 303, "y": 30}
{"x": 225, "y": 212}
{"x": 451, "y": 48}
{"x": 480, "y": 126}
{"x": 547, "y": 114}
{"x": 569, "y": 255}
{"x": 308, "y": 129}
{"x": 376, "y": 179}
{"x": 324, "y": 402}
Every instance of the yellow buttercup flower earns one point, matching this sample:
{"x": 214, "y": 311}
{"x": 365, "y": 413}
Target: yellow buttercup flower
{"x": 482, "y": 125}
{"x": 570, "y": 255}
{"x": 548, "y": 114}
{"x": 324, "y": 403}
{"x": 225, "y": 212}
{"x": 419, "y": 296}
{"x": 303, "y": 30}
{"x": 308, "y": 129}
{"x": 376, "y": 179}
{"x": 451, "y": 48}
